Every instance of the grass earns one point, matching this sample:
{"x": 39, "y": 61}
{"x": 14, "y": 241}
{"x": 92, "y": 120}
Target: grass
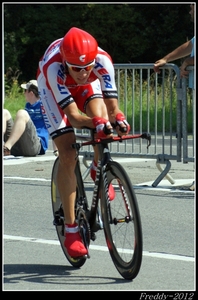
{"x": 14, "y": 94}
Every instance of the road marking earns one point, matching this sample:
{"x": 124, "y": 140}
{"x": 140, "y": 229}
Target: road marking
{"x": 11, "y": 160}
{"x": 25, "y": 178}
{"x": 144, "y": 186}
{"x": 101, "y": 248}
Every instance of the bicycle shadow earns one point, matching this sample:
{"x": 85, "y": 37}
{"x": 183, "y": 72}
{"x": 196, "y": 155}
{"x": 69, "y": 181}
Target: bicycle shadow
{"x": 53, "y": 274}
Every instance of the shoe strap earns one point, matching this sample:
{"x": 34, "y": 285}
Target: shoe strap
{"x": 71, "y": 229}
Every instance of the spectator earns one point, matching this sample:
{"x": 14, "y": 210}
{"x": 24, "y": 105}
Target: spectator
{"x": 185, "y": 51}
{"x": 182, "y": 51}
{"x": 27, "y": 135}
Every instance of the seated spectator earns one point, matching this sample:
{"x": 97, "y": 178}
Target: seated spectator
{"x": 27, "y": 135}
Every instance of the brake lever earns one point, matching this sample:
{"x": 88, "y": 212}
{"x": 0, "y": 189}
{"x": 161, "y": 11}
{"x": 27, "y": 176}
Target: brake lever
{"x": 147, "y": 136}
{"x": 108, "y": 131}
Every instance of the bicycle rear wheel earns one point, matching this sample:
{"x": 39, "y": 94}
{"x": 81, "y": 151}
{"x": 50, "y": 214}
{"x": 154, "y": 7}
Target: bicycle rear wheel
{"x": 122, "y": 223}
{"x": 59, "y": 217}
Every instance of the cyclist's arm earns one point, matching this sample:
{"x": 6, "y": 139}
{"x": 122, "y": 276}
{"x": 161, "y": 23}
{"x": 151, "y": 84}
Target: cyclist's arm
{"x": 103, "y": 126}
{"x": 116, "y": 116}
{"x": 112, "y": 108}
{"x": 76, "y": 119}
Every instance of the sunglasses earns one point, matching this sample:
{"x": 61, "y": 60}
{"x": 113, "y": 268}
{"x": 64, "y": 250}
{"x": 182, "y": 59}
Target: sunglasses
{"x": 86, "y": 68}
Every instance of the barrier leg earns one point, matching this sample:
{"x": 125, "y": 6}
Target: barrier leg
{"x": 164, "y": 172}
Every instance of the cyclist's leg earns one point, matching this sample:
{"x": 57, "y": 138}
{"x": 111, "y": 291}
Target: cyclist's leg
{"x": 63, "y": 136}
{"x": 66, "y": 182}
{"x": 66, "y": 179}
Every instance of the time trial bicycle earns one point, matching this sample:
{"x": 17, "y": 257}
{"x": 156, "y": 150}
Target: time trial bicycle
{"x": 119, "y": 218}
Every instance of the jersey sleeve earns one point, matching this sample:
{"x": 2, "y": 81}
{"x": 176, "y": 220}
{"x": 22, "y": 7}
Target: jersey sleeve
{"x": 56, "y": 80}
{"x": 104, "y": 70}
{"x": 53, "y": 70}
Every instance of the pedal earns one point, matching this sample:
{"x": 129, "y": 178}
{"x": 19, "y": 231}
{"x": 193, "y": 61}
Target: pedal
{"x": 58, "y": 217}
{"x": 57, "y": 221}
{"x": 93, "y": 236}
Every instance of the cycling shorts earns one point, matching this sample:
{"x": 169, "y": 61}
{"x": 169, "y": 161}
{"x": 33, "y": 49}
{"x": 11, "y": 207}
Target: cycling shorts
{"x": 56, "y": 120}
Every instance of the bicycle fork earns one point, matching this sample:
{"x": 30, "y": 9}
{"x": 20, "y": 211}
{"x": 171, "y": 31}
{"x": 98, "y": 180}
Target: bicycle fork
{"x": 95, "y": 220}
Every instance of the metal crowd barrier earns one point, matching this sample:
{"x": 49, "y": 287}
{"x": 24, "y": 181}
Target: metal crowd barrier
{"x": 188, "y": 112}
{"x": 158, "y": 104}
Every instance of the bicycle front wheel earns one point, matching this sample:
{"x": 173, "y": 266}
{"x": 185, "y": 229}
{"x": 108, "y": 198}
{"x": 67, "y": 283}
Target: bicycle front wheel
{"x": 59, "y": 217}
{"x": 122, "y": 223}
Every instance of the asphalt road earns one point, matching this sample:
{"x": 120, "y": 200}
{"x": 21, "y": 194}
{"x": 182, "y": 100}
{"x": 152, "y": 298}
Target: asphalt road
{"x": 33, "y": 259}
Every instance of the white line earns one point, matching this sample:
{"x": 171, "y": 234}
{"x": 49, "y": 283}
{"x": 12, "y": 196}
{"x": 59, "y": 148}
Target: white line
{"x": 142, "y": 186}
{"x": 101, "y": 248}
{"x": 24, "y": 178}
{"x": 11, "y": 160}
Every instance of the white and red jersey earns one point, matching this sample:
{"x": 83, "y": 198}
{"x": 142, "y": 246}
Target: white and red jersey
{"x": 58, "y": 89}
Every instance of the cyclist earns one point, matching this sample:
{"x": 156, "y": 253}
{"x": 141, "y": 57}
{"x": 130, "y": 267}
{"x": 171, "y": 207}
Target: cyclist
{"x": 77, "y": 88}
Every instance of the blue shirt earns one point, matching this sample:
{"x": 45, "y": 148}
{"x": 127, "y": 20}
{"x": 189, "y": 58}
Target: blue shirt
{"x": 191, "y": 74}
{"x": 35, "y": 113}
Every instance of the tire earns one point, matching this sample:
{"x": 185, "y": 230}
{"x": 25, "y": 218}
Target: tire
{"x": 122, "y": 223}
{"x": 59, "y": 217}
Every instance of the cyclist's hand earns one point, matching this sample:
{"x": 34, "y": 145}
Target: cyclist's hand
{"x": 103, "y": 127}
{"x": 122, "y": 126}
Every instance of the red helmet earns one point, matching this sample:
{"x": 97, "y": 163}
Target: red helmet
{"x": 78, "y": 47}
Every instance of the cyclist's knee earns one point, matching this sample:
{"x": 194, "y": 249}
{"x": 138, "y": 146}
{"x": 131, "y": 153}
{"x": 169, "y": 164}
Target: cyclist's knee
{"x": 67, "y": 156}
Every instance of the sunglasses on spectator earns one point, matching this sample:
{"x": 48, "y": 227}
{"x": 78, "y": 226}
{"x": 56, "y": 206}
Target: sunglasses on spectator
{"x": 86, "y": 68}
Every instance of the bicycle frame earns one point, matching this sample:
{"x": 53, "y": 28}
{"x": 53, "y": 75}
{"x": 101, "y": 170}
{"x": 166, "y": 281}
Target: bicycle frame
{"x": 104, "y": 158}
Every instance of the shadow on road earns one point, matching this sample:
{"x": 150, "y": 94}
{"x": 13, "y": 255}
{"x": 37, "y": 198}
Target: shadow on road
{"x": 52, "y": 274}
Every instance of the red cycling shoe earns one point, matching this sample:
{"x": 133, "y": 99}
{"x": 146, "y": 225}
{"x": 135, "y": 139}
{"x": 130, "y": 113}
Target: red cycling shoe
{"x": 73, "y": 242}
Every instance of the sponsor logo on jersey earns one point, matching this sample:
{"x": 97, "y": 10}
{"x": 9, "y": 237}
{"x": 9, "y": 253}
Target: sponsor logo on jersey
{"x": 85, "y": 92}
{"x": 61, "y": 77}
{"x": 61, "y": 81}
{"x": 65, "y": 102}
{"x": 112, "y": 94}
{"x": 104, "y": 73}
{"x": 62, "y": 89}
{"x": 54, "y": 118}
